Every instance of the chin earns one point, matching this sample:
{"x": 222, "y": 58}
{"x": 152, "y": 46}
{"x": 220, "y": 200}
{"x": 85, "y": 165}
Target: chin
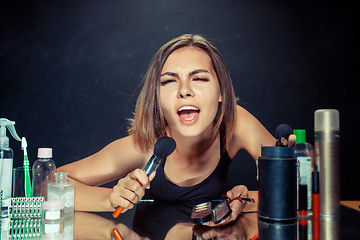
{"x": 195, "y": 132}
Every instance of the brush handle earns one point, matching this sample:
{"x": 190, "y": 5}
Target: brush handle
{"x": 28, "y": 190}
{"x": 117, "y": 234}
{"x": 117, "y": 212}
{"x": 245, "y": 199}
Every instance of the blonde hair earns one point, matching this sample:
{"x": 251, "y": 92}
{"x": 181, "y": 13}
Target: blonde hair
{"x": 148, "y": 123}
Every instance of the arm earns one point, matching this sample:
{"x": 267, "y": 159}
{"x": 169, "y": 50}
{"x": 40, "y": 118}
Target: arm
{"x": 91, "y": 226}
{"x": 249, "y": 134}
{"x": 112, "y": 162}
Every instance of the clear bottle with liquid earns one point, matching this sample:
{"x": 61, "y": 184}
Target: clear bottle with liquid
{"x": 6, "y": 163}
{"x": 304, "y": 152}
{"x": 43, "y": 172}
{"x": 62, "y": 190}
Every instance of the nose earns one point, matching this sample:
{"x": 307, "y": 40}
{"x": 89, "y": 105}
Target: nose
{"x": 185, "y": 90}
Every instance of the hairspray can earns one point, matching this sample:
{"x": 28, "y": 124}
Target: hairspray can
{"x": 327, "y": 144}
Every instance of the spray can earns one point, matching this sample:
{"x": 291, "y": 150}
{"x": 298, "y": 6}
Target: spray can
{"x": 327, "y": 148}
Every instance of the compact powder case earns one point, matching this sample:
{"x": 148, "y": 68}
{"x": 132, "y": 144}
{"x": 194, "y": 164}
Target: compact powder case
{"x": 203, "y": 212}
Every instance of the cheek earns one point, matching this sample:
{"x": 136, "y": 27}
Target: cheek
{"x": 166, "y": 108}
{"x": 213, "y": 105}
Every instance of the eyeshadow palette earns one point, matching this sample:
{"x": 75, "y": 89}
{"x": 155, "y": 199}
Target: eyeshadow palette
{"x": 204, "y": 212}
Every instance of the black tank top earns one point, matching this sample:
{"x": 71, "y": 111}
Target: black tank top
{"x": 211, "y": 187}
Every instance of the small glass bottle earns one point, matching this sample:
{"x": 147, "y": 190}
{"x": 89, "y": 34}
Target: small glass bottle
{"x": 43, "y": 172}
{"x": 304, "y": 152}
{"x": 62, "y": 190}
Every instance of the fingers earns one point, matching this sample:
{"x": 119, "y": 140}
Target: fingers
{"x": 291, "y": 140}
{"x": 236, "y": 205}
{"x": 151, "y": 177}
{"x": 130, "y": 189}
{"x": 237, "y": 191}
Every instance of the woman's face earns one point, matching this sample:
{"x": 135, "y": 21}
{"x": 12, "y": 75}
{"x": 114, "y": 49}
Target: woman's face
{"x": 189, "y": 92}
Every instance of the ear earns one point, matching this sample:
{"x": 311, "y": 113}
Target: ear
{"x": 220, "y": 98}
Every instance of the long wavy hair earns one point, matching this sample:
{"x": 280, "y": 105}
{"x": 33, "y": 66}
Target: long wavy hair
{"x": 148, "y": 123}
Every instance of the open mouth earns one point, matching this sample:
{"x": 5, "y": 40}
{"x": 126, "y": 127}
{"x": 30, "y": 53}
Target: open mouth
{"x": 188, "y": 113}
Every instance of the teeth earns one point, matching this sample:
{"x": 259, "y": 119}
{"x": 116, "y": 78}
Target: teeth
{"x": 188, "y": 108}
{"x": 189, "y": 119}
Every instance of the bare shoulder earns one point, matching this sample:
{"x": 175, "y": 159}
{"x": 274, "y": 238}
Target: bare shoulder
{"x": 124, "y": 154}
{"x": 112, "y": 162}
{"x": 249, "y": 134}
{"x": 125, "y": 148}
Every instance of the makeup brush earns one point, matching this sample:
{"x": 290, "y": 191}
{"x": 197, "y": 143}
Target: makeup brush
{"x": 164, "y": 146}
{"x": 242, "y": 199}
{"x": 283, "y": 135}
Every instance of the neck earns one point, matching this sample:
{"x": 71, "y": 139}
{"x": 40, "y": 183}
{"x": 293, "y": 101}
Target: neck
{"x": 196, "y": 149}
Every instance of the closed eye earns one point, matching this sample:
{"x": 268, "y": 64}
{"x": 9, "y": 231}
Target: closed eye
{"x": 201, "y": 79}
{"x": 164, "y": 82}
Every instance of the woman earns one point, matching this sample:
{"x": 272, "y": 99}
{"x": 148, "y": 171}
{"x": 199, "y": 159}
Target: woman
{"x": 187, "y": 95}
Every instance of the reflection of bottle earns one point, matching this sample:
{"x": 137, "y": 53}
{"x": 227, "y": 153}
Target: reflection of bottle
{"x": 43, "y": 172}
{"x": 62, "y": 190}
{"x": 327, "y": 148}
{"x": 304, "y": 153}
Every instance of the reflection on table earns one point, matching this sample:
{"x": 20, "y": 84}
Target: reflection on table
{"x": 162, "y": 220}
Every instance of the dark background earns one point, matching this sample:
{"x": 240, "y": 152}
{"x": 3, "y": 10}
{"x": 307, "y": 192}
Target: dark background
{"x": 69, "y": 70}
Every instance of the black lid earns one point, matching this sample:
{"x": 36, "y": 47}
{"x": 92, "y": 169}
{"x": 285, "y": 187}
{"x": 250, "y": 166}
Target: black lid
{"x": 276, "y": 152}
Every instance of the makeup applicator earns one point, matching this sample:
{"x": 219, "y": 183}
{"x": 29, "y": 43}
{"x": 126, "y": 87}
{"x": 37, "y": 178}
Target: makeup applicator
{"x": 164, "y": 146}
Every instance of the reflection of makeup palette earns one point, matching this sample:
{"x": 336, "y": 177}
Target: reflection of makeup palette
{"x": 203, "y": 212}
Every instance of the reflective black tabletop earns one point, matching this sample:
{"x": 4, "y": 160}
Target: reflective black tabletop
{"x": 164, "y": 220}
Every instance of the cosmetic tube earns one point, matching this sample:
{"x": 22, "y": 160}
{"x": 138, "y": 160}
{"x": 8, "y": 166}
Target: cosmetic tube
{"x": 315, "y": 195}
{"x": 327, "y": 144}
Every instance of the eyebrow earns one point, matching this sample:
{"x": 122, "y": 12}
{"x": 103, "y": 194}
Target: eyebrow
{"x": 190, "y": 74}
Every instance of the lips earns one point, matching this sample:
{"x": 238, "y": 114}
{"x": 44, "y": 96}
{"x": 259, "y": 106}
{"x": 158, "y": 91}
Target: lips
{"x": 188, "y": 114}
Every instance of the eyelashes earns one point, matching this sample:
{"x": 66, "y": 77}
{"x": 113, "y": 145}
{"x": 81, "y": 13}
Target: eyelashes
{"x": 165, "y": 82}
{"x": 201, "y": 79}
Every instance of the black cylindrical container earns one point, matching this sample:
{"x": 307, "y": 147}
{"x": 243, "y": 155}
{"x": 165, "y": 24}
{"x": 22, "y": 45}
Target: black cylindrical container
{"x": 277, "y": 184}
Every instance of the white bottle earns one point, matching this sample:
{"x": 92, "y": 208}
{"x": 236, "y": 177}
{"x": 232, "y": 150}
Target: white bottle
{"x": 304, "y": 152}
{"x": 62, "y": 190}
{"x": 43, "y": 172}
{"x": 6, "y": 161}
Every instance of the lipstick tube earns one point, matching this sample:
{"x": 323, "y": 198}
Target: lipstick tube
{"x": 315, "y": 195}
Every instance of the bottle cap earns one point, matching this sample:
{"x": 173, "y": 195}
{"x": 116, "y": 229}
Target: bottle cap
{"x": 300, "y": 135}
{"x": 53, "y": 205}
{"x": 45, "y": 153}
{"x": 61, "y": 177}
{"x": 327, "y": 119}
